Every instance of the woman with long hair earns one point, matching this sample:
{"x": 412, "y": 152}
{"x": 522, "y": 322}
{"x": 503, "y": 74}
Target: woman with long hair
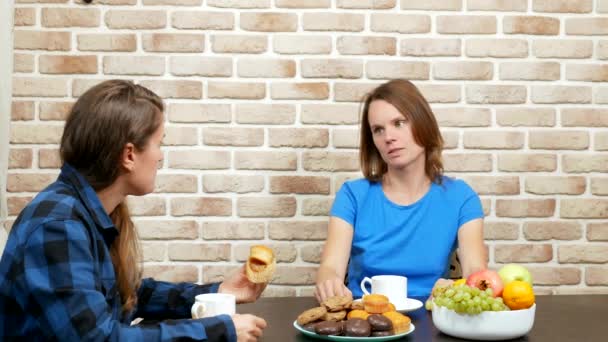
{"x": 405, "y": 217}
{"x": 71, "y": 266}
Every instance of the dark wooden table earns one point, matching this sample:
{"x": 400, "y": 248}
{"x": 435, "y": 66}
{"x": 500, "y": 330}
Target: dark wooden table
{"x": 580, "y": 318}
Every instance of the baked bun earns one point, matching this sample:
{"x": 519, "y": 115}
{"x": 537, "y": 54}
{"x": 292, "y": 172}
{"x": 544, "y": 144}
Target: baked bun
{"x": 401, "y": 323}
{"x": 357, "y": 314}
{"x": 376, "y": 303}
{"x": 260, "y": 264}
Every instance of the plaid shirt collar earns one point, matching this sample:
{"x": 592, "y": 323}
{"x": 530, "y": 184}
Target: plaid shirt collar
{"x": 89, "y": 198}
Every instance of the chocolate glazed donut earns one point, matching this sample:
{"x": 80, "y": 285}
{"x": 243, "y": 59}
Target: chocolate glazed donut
{"x": 357, "y": 327}
{"x": 328, "y": 328}
{"x": 379, "y": 322}
{"x": 310, "y": 326}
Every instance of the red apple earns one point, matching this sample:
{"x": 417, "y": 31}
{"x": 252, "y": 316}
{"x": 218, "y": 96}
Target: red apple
{"x": 486, "y": 279}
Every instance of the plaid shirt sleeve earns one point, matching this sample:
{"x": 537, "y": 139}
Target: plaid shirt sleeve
{"x": 162, "y": 300}
{"x": 70, "y": 305}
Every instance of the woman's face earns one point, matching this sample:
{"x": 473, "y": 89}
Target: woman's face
{"x": 147, "y": 161}
{"x": 392, "y": 134}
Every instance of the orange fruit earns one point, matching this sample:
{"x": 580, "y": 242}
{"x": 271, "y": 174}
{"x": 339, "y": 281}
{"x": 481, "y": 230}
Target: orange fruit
{"x": 518, "y": 295}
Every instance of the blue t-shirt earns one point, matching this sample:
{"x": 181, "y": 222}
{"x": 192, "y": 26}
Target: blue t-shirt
{"x": 414, "y": 240}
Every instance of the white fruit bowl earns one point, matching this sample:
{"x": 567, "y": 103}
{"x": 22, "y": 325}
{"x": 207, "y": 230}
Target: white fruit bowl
{"x": 488, "y": 325}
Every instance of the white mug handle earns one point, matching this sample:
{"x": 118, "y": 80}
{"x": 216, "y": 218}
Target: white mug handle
{"x": 198, "y": 310}
{"x": 363, "y": 282}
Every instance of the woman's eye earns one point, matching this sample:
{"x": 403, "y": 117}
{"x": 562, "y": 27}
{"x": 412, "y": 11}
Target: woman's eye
{"x": 400, "y": 123}
{"x": 377, "y": 130}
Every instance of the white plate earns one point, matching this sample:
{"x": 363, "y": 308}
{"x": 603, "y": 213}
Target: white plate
{"x": 349, "y": 338}
{"x": 410, "y": 304}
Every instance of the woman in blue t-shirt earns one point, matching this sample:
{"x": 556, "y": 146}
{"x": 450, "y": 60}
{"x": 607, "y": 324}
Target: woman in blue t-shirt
{"x": 405, "y": 217}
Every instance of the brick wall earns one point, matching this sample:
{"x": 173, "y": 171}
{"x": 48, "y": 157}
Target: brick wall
{"x": 6, "y": 69}
{"x": 262, "y": 119}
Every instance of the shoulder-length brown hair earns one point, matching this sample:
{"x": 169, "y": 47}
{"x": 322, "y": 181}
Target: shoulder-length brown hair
{"x": 408, "y": 100}
{"x": 102, "y": 121}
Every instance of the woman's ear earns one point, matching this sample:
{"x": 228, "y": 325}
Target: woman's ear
{"x": 127, "y": 159}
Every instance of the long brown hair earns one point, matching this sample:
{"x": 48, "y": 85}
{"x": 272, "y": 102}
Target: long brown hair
{"x": 408, "y": 100}
{"x": 102, "y": 121}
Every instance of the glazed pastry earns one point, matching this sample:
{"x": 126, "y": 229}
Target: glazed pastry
{"x": 310, "y": 326}
{"x": 329, "y": 328}
{"x": 311, "y": 315}
{"x": 357, "y": 327}
{"x": 376, "y": 303}
{"x": 260, "y": 264}
{"x": 337, "y": 303}
{"x": 380, "y": 322}
{"x": 381, "y": 333}
{"x": 401, "y": 323}
{"x": 357, "y": 314}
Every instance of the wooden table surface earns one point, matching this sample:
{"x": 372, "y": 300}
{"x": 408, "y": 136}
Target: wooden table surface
{"x": 564, "y": 318}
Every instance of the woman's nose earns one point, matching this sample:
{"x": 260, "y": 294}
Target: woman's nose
{"x": 388, "y": 135}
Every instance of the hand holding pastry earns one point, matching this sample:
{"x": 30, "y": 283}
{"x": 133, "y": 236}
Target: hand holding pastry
{"x": 241, "y": 287}
{"x": 260, "y": 264}
{"x": 251, "y": 280}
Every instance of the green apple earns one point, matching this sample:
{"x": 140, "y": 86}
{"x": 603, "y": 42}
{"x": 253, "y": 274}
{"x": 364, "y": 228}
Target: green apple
{"x": 511, "y": 272}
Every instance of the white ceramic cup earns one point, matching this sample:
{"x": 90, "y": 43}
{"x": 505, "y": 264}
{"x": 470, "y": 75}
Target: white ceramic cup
{"x": 213, "y": 304}
{"x": 392, "y": 286}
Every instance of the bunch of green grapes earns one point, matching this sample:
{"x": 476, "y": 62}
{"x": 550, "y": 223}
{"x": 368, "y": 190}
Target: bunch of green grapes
{"x": 466, "y": 300}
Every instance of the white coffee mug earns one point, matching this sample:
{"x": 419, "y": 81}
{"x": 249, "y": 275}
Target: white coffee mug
{"x": 213, "y": 304}
{"x": 392, "y": 286}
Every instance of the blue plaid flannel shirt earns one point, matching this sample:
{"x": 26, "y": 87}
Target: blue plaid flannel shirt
{"x": 57, "y": 280}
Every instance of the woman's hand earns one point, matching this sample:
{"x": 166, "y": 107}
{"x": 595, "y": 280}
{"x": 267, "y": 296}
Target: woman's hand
{"x": 334, "y": 260}
{"x": 472, "y": 251}
{"x": 441, "y": 282}
{"x": 331, "y": 287}
{"x": 244, "y": 290}
{"x": 248, "y": 327}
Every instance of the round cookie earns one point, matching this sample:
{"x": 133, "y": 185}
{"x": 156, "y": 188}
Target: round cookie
{"x": 357, "y": 305}
{"x": 337, "y": 303}
{"x": 311, "y": 315}
{"x": 334, "y": 316}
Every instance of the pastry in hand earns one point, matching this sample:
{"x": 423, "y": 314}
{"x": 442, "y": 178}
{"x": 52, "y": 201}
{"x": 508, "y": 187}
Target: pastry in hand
{"x": 260, "y": 264}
